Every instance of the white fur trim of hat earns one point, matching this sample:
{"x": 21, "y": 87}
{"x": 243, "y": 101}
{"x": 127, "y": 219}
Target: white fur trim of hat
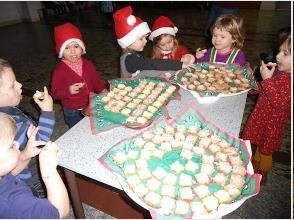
{"x": 164, "y": 30}
{"x": 134, "y": 34}
{"x": 68, "y": 41}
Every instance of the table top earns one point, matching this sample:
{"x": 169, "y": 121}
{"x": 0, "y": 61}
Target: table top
{"x": 81, "y": 149}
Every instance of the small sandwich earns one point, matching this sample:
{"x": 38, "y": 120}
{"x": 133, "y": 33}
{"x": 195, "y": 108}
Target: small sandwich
{"x": 38, "y": 95}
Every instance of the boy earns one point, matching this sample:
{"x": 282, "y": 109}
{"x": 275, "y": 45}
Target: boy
{"x": 16, "y": 199}
{"x": 10, "y": 93}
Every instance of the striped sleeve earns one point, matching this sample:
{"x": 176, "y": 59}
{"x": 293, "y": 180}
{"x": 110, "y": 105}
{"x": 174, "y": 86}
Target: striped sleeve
{"x": 46, "y": 124}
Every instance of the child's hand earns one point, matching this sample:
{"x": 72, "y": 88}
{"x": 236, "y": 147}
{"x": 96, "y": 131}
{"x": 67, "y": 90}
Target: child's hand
{"x": 32, "y": 149}
{"x": 75, "y": 88}
{"x": 188, "y": 59}
{"x": 200, "y": 53}
{"x": 267, "y": 70}
{"x": 45, "y": 102}
{"x": 48, "y": 158}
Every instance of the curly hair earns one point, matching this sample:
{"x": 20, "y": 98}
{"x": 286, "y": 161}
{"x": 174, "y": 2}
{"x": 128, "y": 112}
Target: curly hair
{"x": 156, "y": 50}
{"x": 232, "y": 24}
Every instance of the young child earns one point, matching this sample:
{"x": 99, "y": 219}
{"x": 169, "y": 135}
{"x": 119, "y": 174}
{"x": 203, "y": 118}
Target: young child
{"x": 165, "y": 43}
{"x": 10, "y": 93}
{"x": 74, "y": 77}
{"x": 266, "y": 124}
{"x": 227, "y": 40}
{"x": 16, "y": 198}
{"x": 131, "y": 34}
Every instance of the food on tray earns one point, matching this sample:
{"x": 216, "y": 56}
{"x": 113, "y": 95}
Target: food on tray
{"x": 214, "y": 79}
{"x": 139, "y": 103}
{"x": 183, "y": 170}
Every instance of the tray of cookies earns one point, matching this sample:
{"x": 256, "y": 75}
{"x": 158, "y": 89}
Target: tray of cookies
{"x": 133, "y": 103}
{"x": 186, "y": 168}
{"x": 210, "y": 81}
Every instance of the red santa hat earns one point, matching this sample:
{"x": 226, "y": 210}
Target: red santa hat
{"x": 163, "y": 25}
{"x": 128, "y": 28}
{"x": 65, "y": 34}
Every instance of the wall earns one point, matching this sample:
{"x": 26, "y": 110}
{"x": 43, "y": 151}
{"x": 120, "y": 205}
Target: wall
{"x": 17, "y": 12}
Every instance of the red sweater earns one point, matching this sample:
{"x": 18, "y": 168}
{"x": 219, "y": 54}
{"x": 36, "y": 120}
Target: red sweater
{"x": 266, "y": 124}
{"x": 63, "y": 76}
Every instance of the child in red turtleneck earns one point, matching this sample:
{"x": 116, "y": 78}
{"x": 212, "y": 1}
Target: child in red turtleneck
{"x": 74, "y": 77}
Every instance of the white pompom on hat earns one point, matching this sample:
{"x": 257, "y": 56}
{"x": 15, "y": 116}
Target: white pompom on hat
{"x": 65, "y": 34}
{"x": 163, "y": 25}
{"x": 128, "y": 28}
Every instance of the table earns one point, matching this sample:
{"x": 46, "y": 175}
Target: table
{"x": 81, "y": 149}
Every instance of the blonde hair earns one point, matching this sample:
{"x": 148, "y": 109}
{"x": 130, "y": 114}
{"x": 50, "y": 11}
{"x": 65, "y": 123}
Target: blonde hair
{"x": 232, "y": 24}
{"x": 155, "y": 48}
{"x": 3, "y": 64}
{"x": 8, "y": 129}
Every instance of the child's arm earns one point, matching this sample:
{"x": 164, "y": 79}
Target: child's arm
{"x": 277, "y": 91}
{"x": 56, "y": 190}
{"x": 96, "y": 80}
{"x": 134, "y": 63}
{"x": 31, "y": 150}
{"x": 46, "y": 120}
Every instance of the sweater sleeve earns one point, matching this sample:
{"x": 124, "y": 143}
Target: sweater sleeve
{"x": 96, "y": 80}
{"x": 278, "y": 92}
{"x": 46, "y": 124}
{"x": 240, "y": 58}
{"x": 134, "y": 63}
{"x": 58, "y": 89}
{"x": 181, "y": 51}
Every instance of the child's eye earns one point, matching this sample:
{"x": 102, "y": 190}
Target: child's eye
{"x": 77, "y": 46}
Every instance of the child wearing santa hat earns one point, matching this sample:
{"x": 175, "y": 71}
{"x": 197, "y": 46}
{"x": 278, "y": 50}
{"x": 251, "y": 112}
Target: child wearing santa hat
{"x": 131, "y": 32}
{"x": 165, "y": 44}
{"x": 74, "y": 77}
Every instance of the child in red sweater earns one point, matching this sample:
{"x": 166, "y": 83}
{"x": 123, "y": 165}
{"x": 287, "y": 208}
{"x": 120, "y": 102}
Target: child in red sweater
{"x": 165, "y": 43}
{"x": 266, "y": 124}
{"x": 74, "y": 77}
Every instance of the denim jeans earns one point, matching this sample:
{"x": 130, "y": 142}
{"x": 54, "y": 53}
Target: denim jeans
{"x": 72, "y": 116}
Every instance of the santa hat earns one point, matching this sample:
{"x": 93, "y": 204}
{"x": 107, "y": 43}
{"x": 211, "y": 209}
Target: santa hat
{"x": 65, "y": 34}
{"x": 128, "y": 28}
{"x": 163, "y": 25}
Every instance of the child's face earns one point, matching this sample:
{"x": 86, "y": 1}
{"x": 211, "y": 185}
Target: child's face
{"x": 72, "y": 52}
{"x": 139, "y": 44}
{"x": 222, "y": 40}
{"x": 284, "y": 59}
{"x": 166, "y": 43}
{"x": 10, "y": 90}
{"x": 9, "y": 156}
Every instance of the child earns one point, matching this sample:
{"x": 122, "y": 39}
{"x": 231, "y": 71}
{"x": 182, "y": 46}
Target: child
{"x": 165, "y": 44}
{"x": 74, "y": 77}
{"x": 131, "y": 34}
{"x": 10, "y": 93}
{"x": 227, "y": 39}
{"x": 16, "y": 199}
{"x": 266, "y": 124}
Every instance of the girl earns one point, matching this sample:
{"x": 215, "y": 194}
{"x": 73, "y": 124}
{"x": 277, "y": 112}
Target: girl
{"x": 74, "y": 77}
{"x": 165, "y": 44}
{"x": 266, "y": 124}
{"x": 131, "y": 34}
{"x": 227, "y": 40}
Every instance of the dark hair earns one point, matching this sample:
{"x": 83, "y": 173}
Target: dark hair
{"x": 283, "y": 34}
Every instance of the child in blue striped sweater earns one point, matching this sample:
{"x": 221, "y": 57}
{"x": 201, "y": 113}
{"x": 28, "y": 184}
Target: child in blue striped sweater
{"x": 10, "y": 93}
